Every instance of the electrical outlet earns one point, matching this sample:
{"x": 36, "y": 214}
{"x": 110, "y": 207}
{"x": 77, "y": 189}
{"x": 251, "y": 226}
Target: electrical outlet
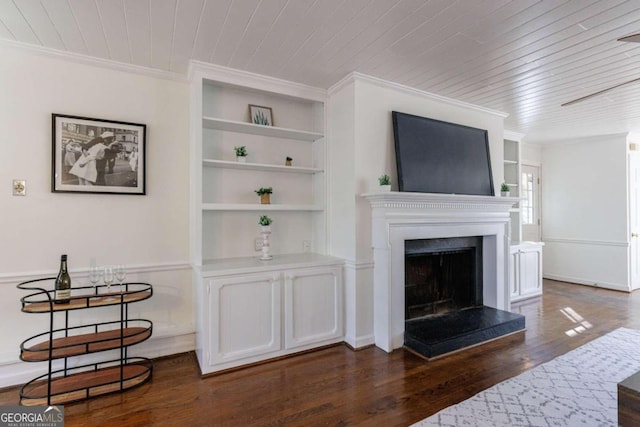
{"x": 19, "y": 187}
{"x": 306, "y": 245}
{"x": 258, "y": 244}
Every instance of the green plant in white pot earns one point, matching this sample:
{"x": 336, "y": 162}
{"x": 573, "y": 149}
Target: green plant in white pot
{"x": 504, "y": 190}
{"x": 385, "y": 183}
{"x": 241, "y": 154}
{"x": 265, "y": 221}
{"x": 265, "y": 230}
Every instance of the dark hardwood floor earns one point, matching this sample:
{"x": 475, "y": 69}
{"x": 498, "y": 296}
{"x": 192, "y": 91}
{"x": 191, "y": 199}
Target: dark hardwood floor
{"x": 337, "y": 386}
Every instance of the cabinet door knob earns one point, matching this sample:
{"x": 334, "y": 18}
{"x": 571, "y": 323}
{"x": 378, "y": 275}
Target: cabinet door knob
{"x": 634, "y": 234}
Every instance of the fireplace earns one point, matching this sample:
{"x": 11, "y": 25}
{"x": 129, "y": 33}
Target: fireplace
{"x": 400, "y": 218}
{"x": 442, "y": 275}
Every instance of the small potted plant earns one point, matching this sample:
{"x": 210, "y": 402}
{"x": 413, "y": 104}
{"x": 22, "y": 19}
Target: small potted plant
{"x": 265, "y": 222}
{"x": 288, "y": 161}
{"x": 241, "y": 154}
{"x": 265, "y": 195}
{"x": 504, "y": 190}
{"x": 385, "y": 183}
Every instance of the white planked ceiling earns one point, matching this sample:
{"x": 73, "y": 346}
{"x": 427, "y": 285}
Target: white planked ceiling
{"x": 523, "y": 57}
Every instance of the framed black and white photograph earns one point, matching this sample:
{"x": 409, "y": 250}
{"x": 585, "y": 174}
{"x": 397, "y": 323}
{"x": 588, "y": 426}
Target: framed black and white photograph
{"x": 261, "y": 115}
{"x": 97, "y": 156}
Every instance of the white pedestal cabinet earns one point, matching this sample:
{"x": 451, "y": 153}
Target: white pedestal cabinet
{"x": 525, "y": 270}
{"x": 249, "y": 311}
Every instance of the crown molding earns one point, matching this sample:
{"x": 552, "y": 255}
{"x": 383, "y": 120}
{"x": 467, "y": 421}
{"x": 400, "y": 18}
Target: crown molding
{"x": 235, "y": 77}
{"x": 93, "y": 61}
{"x": 614, "y": 137}
{"x": 513, "y": 136}
{"x": 355, "y": 76}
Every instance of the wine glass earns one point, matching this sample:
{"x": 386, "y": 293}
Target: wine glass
{"x": 121, "y": 274}
{"x": 94, "y": 275}
{"x": 107, "y": 276}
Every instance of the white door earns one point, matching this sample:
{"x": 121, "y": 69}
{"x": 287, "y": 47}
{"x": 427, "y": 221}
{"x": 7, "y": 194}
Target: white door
{"x": 530, "y": 204}
{"x": 634, "y": 221}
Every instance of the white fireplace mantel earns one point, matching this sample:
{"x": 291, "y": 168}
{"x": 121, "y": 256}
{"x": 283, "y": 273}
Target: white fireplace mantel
{"x": 400, "y": 216}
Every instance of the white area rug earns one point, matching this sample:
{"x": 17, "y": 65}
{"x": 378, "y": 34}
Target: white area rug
{"x": 578, "y": 388}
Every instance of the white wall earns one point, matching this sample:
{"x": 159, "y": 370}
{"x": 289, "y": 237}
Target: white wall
{"x": 147, "y": 233}
{"x": 530, "y": 154}
{"x": 360, "y": 127}
{"x": 584, "y": 207}
{"x": 375, "y": 152}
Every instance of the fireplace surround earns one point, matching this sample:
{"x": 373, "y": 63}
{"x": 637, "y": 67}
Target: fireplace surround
{"x": 397, "y": 217}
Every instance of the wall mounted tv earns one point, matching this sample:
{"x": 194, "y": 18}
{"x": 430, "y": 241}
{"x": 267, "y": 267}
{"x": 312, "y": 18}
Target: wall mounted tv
{"x": 440, "y": 157}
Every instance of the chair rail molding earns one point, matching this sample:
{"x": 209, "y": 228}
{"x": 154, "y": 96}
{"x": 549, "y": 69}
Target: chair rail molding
{"x": 617, "y": 243}
{"x": 83, "y": 273}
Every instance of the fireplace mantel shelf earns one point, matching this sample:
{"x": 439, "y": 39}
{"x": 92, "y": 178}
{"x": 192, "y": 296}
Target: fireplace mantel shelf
{"x": 406, "y": 200}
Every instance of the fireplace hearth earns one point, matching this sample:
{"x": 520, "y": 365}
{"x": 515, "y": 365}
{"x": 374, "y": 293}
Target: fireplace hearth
{"x": 434, "y": 336}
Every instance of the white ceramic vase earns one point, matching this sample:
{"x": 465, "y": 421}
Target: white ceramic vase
{"x": 265, "y": 231}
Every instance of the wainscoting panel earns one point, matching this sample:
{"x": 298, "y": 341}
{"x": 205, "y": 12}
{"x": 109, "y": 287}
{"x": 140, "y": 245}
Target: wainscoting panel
{"x": 594, "y": 263}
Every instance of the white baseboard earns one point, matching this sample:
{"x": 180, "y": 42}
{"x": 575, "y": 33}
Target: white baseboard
{"x": 359, "y": 342}
{"x": 580, "y": 281}
{"x": 21, "y": 372}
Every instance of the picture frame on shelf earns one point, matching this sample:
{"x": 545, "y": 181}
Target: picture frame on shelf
{"x": 261, "y": 115}
{"x": 92, "y": 155}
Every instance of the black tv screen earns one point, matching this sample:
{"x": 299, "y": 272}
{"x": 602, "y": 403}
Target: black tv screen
{"x": 433, "y": 156}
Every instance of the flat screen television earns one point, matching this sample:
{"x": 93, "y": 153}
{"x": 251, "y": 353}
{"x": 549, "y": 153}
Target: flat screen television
{"x": 433, "y": 156}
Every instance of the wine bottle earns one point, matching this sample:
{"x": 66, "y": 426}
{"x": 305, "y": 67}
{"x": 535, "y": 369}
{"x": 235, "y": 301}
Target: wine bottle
{"x": 63, "y": 283}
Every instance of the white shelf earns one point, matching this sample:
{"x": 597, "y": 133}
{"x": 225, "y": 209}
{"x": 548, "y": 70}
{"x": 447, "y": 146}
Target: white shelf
{"x": 512, "y": 185}
{"x": 510, "y": 162}
{"x": 250, "y": 128}
{"x": 259, "y": 207}
{"x": 259, "y": 166}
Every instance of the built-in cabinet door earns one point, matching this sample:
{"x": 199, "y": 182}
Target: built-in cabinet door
{"x": 529, "y": 266}
{"x": 514, "y": 273}
{"x": 313, "y": 306}
{"x": 525, "y": 270}
{"x": 245, "y": 316}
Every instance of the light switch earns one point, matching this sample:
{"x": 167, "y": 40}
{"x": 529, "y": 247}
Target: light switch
{"x": 19, "y": 187}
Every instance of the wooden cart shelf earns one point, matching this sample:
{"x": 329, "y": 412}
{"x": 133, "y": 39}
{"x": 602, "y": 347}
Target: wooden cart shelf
{"x": 86, "y": 343}
{"x": 83, "y": 385}
{"x": 42, "y": 302}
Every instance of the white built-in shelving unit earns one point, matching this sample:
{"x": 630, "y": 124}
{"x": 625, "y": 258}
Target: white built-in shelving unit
{"x": 251, "y": 310}
{"x": 525, "y": 258}
{"x": 512, "y": 176}
{"x": 225, "y": 208}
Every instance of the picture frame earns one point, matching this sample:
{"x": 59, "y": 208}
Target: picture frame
{"x": 92, "y": 155}
{"x": 260, "y": 115}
